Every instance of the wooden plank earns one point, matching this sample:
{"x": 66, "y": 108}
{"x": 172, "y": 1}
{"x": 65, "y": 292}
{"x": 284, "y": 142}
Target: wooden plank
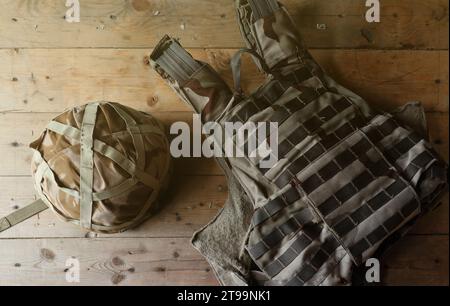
{"x": 189, "y": 205}
{"x": 121, "y": 261}
{"x": 194, "y": 202}
{"x": 390, "y": 79}
{"x": 141, "y": 23}
{"x": 45, "y": 80}
{"x": 417, "y": 260}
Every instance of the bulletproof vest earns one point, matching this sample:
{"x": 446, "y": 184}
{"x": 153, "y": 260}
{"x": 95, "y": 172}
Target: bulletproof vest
{"x": 348, "y": 177}
{"x": 100, "y": 166}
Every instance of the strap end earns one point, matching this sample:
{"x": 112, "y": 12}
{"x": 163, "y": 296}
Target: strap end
{"x": 4, "y": 224}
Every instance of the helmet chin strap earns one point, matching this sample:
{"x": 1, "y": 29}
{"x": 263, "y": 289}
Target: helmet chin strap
{"x": 22, "y": 214}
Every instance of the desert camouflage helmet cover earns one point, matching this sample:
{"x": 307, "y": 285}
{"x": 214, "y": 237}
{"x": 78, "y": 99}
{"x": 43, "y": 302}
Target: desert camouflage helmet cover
{"x": 348, "y": 177}
{"x": 101, "y": 166}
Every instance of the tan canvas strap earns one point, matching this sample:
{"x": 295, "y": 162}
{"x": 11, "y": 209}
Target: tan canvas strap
{"x": 141, "y": 129}
{"x": 22, "y": 214}
{"x": 138, "y": 140}
{"x": 87, "y": 164}
{"x": 145, "y": 129}
{"x": 103, "y": 148}
{"x": 44, "y": 171}
{"x": 111, "y": 153}
{"x": 235, "y": 64}
{"x": 115, "y": 156}
{"x": 125, "y": 226}
{"x": 98, "y": 146}
{"x": 148, "y": 180}
{"x": 63, "y": 129}
{"x": 39, "y": 175}
{"x": 74, "y": 133}
{"x": 114, "y": 191}
{"x": 125, "y": 164}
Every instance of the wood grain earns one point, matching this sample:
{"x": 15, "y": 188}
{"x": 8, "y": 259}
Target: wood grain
{"x": 121, "y": 261}
{"x": 425, "y": 262}
{"x": 410, "y": 24}
{"x": 51, "y": 80}
{"x": 172, "y": 261}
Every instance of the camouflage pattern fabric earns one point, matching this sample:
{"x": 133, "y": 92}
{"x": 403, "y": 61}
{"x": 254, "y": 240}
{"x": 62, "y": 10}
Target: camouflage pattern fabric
{"x": 348, "y": 177}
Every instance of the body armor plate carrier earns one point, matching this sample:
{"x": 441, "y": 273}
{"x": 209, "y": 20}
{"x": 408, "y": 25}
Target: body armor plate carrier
{"x": 347, "y": 177}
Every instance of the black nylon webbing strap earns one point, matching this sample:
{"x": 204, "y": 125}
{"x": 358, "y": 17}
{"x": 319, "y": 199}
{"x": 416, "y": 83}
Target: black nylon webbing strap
{"x": 310, "y": 232}
{"x": 274, "y": 206}
{"x": 22, "y": 214}
{"x": 311, "y": 268}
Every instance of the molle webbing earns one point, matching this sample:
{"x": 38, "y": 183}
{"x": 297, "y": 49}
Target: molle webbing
{"x": 263, "y": 8}
{"x": 174, "y": 60}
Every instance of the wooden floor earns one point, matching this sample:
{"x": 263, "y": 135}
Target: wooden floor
{"x": 48, "y": 64}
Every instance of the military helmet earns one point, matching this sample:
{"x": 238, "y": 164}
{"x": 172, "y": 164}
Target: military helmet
{"x": 102, "y": 166}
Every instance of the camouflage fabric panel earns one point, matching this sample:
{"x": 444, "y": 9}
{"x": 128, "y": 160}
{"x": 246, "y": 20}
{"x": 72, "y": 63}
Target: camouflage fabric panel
{"x": 195, "y": 82}
{"x": 209, "y": 92}
{"x": 267, "y": 28}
